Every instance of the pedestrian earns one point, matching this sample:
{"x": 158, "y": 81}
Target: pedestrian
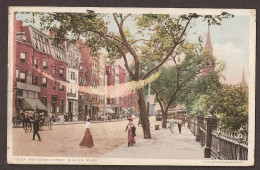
{"x": 172, "y": 124}
{"x": 37, "y": 110}
{"x": 131, "y": 132}
{"x": 36, "y": 124}
{"x": 179, "y": 125}
{"x": 87, "y": 139}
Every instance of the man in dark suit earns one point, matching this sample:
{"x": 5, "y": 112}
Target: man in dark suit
{"x": 36, "y": 124}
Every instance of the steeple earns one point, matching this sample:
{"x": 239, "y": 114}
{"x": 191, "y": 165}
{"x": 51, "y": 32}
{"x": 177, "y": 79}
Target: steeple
{"x": 243, "y": 82}
{"x": 208, "y": 45}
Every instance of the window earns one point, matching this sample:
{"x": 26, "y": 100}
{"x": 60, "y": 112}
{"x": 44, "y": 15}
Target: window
{"x": 19, "y": 92}
{"x": 44, "y": 64}
{"x": 44, "y": 82}
{"x": 44, "y": 101}
{"x": 54, "y": 85}
{"x": 22, "y": 77}
{"x": 22, "y": 57}
{"x": 61, "y": 72}
{"x": 36, "y": 80}
{"x": 54, "y": 69}
{"x": 61, "y": 87}
{"x": 54, "y": 99}
{"x": 81, "y": 68}
{"x": 36, "y": 62}
{"x": 61, "y": 105}
{"x": 73, "y": 75}
{"x": 94, "y": 73}
{"x": 95, "y": 64}
{"x": 80, "y": 95}
{"x": 81, "y": 80}
{"x": 94, "y": 85}
{"x": 53, "y": 107}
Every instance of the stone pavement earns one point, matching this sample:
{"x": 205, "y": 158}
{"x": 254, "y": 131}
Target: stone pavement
{"x": 163, "y": 145}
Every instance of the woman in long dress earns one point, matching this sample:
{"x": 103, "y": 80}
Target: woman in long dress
{"x": 131, "y": 132}
{"x": 87, "y": 139}
{"x": 172, "y": 124}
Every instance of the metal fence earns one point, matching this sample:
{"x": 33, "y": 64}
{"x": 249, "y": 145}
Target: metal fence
{"x": 224, "y": 145}
{"x": 228, "y": 146}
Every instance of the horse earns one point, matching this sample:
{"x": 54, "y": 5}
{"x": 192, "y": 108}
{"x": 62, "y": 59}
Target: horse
{"x": 26, "y": 121}
{"x": 16, "y": 121}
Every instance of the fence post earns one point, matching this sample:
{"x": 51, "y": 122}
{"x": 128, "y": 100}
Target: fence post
{"x": 210, "y": 125}
{"x": 200, "y": 119}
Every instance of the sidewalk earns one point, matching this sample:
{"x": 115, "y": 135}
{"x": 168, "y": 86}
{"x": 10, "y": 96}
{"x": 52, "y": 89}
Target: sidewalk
{"x": 163, "y": 145}
{"x": 82, "y": 122}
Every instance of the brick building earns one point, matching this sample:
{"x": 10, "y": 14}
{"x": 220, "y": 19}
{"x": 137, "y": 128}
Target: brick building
{"x": 37, "y": 65}
{"x": 91, "y": 83}
{"x": 119, "y": 97}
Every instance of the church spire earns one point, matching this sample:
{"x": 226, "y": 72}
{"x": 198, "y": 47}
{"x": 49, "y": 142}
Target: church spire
{"x": 243, "y": 82}
{"x": 208, "y": 45}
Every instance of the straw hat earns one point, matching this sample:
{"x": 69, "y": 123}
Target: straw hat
{"x": 129, "y": 118}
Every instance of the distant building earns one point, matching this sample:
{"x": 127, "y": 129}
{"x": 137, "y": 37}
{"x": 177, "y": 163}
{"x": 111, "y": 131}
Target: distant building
{"x": 91, "y": 83}
{"x": 119, "y": 98}
{"x": 208, "y": 48}
{"x": 243, "y": 82}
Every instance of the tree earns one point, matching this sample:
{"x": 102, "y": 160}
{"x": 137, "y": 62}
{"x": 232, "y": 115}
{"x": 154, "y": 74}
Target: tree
{"x": 231, "y": 104}
{"x": 179, "y": 78}
{"x": 157, "y": 37}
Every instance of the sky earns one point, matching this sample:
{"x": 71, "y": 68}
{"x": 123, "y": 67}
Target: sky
{"x": 230, "y": 43}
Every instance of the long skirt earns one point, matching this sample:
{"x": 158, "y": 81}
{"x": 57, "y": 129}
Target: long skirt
{"x": 131, "y": 139}
{"x": 172, "y": 127}
{"x": 87, "y": 139}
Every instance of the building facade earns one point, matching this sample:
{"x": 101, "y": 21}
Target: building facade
{"x": 36, "y": 65}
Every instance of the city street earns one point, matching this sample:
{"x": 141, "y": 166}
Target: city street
{"x": 110, "y": 140}
{"x": 63, "y": 140}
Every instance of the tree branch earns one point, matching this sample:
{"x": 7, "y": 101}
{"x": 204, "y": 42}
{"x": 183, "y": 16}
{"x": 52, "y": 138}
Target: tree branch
{"x": 128, "y": 46}
{"x": 169, "y": 53}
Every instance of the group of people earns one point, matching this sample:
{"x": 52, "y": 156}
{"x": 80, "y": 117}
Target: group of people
{"x": 88, "y": 139}
{"x": 172, "y": 122}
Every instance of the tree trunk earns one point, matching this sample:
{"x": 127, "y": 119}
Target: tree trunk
{"x": 144, "y": 115}
{"x": 164, "y": 119}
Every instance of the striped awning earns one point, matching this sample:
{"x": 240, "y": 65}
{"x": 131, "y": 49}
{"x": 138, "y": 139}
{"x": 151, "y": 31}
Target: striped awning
{"x": 109, "y": 110}
{"x": 30, "y": 103}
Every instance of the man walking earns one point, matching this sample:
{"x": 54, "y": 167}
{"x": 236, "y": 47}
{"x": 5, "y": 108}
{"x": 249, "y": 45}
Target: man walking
{"x": 36, "y": 124}
{"x": 179, "y": 125}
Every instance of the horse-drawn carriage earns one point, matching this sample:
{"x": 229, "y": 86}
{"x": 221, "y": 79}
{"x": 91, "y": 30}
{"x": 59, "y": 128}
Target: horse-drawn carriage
{"x": 25, "y": 118}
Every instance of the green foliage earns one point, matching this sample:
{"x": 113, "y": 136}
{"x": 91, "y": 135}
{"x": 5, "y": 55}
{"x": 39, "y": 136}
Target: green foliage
{"x": 231, "y": 103}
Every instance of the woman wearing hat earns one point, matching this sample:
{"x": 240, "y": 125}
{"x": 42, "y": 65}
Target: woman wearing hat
{"x": 87, "y": 139}
{"x": 131, "y": 132}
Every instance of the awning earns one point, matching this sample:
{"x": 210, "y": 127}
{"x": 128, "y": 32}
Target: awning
{"x": 30, "y": 103}
{"x": 124, "y": 110}
{"x": 107, "y": 110}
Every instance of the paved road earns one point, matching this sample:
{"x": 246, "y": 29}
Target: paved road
{"x": 163, "y": 145}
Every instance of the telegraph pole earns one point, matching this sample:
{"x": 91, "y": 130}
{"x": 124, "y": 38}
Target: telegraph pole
{"x": 148, "y": 99}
